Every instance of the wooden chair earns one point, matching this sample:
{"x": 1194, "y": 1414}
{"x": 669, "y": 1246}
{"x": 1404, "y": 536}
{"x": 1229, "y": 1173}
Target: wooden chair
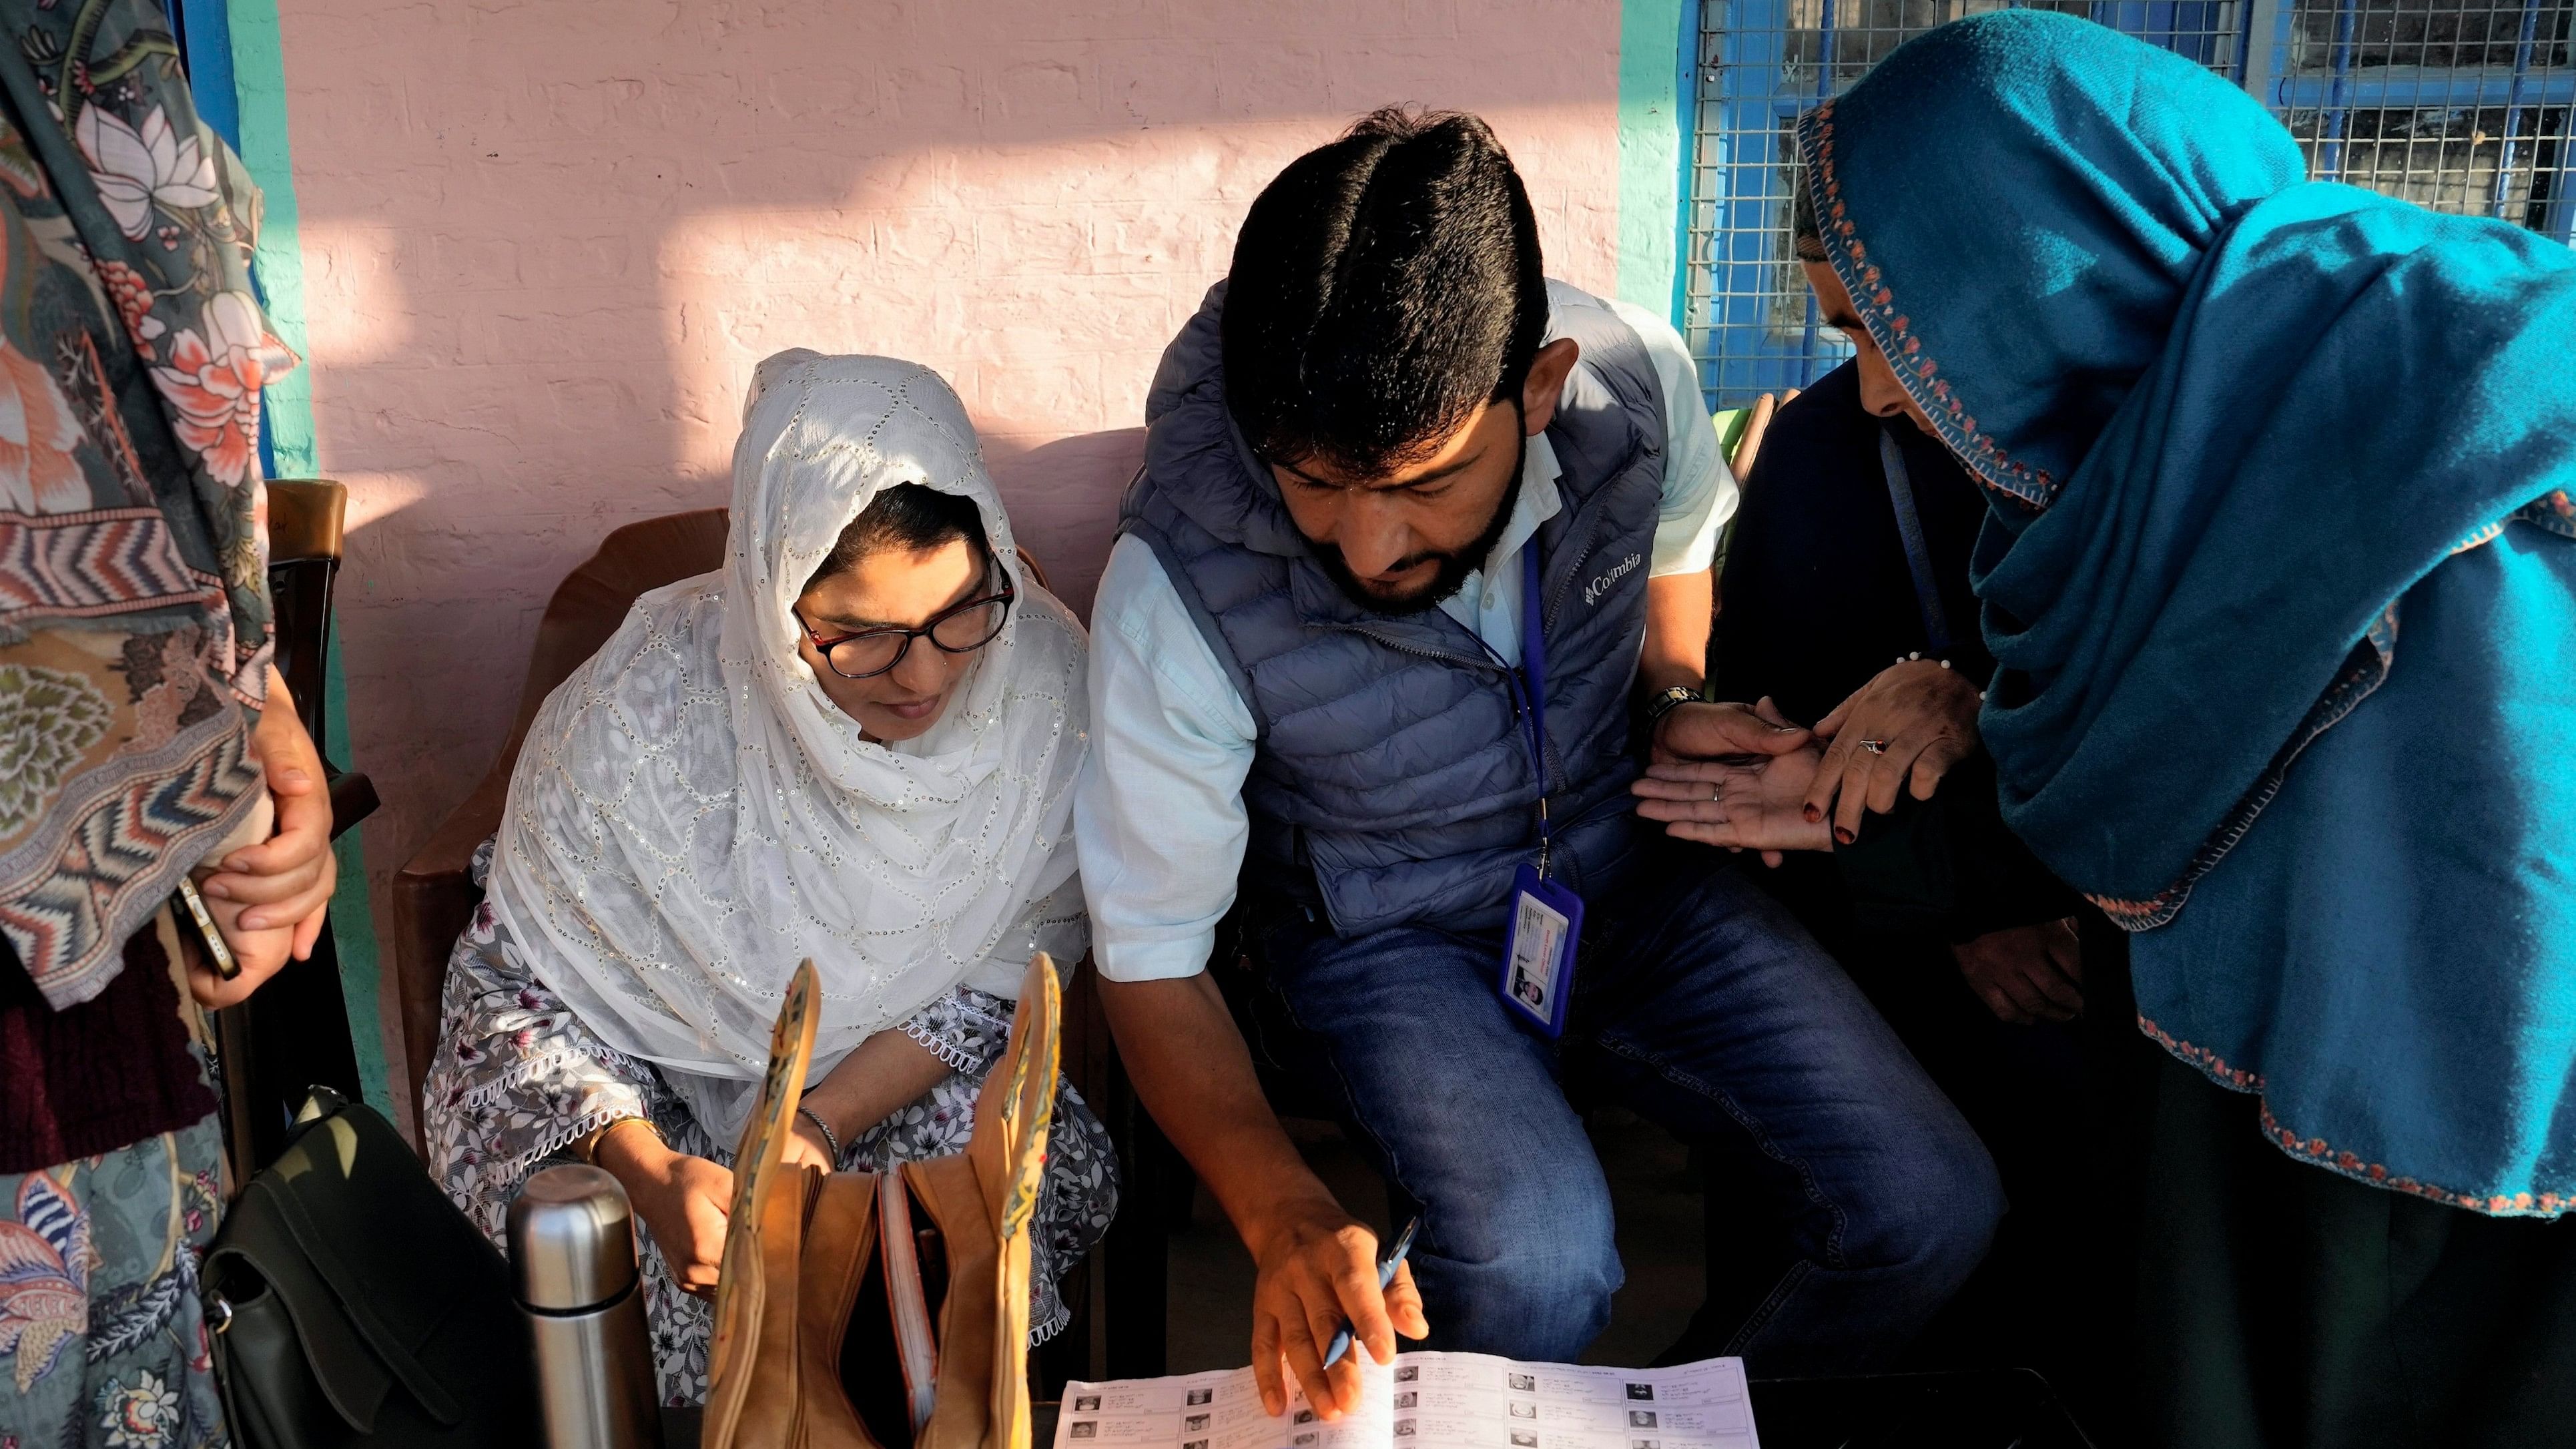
{"x": 434, "y": 893}
{"x": 434, "y": 897}
{"x": 294, "y": 1035}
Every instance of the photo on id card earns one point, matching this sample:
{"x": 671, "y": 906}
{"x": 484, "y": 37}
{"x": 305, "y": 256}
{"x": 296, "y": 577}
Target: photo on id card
{"x": 1546, "y": 922}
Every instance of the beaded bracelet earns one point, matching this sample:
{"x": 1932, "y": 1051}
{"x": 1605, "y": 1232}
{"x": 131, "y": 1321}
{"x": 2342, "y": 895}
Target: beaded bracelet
{"x": 1917, "y": 657}
{"x": 830, "y": 1139}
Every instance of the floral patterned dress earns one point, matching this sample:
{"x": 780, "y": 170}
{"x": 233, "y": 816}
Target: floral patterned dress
{"x": 103, "y": 1337}
{"x": 518, "y": 1079}
{"x": 99, "y": 1305}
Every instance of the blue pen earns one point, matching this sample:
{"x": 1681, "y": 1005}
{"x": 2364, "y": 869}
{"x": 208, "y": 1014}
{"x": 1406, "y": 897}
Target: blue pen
{"x": 1385, "y": 1275}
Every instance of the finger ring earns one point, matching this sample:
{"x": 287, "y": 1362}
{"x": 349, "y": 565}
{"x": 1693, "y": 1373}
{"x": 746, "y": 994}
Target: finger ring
{"x": 1717, "y": 792}
{"x": 1875, "y": 747}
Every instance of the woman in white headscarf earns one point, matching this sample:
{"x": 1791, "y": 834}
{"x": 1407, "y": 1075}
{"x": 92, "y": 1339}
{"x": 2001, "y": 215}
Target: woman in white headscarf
{"x": 857, "y": 743}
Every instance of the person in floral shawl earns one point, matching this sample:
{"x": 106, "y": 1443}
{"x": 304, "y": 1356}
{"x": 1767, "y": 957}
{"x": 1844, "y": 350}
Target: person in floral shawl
{"x": 144, "y": 735}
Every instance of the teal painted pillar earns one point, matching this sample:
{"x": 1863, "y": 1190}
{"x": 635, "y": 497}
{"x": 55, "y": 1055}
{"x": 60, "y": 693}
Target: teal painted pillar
{"x": 259, "y": 108}
{"x": 1651, "y": 130}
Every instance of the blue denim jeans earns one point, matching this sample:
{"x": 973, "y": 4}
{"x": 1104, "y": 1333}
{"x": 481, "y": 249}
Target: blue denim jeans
{"x": 1700, "y": 1003}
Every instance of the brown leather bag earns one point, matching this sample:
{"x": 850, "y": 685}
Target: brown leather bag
{"x": 830, "y": 1282}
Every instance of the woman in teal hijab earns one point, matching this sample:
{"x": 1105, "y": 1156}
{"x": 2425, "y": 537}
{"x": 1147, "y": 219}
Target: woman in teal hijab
{"x": 2280, "y": 576}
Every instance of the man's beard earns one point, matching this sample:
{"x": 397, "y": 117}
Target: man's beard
{"x": 1454, "y": 567}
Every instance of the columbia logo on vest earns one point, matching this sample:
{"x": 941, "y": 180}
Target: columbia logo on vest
{"x": 1600, "y": 585}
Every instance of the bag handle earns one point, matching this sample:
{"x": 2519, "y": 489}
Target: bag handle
{"x": 1012, "y": 1115}
{"x": 1017, "y": 1104}
{"x": 744, "y": 1318}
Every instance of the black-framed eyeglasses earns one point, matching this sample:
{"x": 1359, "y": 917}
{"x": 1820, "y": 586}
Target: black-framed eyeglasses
{"x": 959, "y": 629}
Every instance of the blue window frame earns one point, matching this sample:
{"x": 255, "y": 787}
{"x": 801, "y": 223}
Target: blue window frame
{"x": 2460, "y": 105}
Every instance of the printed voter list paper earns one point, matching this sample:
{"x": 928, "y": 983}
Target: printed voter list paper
{"x": 1428, "y": 1401}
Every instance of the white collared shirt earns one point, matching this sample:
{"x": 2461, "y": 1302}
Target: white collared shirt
{"x": 1158, "y": 814}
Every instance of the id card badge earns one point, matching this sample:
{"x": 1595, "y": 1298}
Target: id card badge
{"x": 1538, "y": 950}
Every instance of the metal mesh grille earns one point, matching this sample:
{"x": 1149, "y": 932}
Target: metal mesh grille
{"x": 2459, "y": 105}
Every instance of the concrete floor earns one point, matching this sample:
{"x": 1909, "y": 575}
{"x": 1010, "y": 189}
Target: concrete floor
{"x": 1651, "y": 1183}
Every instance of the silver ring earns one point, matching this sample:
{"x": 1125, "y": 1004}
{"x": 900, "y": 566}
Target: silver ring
{"x": 1875, "y": 747}
{"x": 1716, "y": 792}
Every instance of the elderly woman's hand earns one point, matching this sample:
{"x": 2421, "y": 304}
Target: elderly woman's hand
{"x": 1913, "y": 722}
{"x": 2028, "y": 974}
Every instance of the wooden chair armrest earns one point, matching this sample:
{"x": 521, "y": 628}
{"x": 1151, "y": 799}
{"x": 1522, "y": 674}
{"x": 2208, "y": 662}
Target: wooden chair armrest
{"x": 306, "y": 518}
{"x": 433, "y": 900}
{"x": 353, "y": 797}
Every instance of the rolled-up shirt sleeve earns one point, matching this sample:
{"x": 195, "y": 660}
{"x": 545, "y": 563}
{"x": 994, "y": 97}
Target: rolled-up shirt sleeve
{"x": 1699, "y": 492}
{"x": 1158, "y": 814}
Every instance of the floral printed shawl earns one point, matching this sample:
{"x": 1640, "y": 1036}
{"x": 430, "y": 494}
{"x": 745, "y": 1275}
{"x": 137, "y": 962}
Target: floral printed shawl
{"x": 134, "y": 622}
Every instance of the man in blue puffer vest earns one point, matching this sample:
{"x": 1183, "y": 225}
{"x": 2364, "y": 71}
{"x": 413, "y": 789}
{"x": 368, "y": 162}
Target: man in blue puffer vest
{"x": 1312, "y": 667}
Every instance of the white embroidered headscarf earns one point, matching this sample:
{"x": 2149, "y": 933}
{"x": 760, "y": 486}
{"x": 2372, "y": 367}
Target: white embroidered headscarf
{"x": 692, "y": 815}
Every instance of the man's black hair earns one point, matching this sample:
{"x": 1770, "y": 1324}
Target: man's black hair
{"x": 909, "y": 518}
{"x": 1383, "y": 286}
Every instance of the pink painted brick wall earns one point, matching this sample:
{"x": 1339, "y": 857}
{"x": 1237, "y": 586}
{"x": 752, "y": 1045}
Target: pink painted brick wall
{"x": 545, "y": 242}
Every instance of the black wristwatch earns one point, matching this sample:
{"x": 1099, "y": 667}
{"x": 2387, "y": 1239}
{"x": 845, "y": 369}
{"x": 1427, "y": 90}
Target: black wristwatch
{"x": 1664, "y": 702}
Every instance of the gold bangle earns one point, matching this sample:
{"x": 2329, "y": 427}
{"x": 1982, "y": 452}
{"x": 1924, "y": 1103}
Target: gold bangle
{"x": 588, "y": 1148}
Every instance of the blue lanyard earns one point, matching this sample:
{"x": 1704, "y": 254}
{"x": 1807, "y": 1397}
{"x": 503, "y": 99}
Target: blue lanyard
{"x": 1528, "y": 686}
{"x": 1918, "y": 555}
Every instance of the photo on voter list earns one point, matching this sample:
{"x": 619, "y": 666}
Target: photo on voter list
{"x": 1509, "y": 724}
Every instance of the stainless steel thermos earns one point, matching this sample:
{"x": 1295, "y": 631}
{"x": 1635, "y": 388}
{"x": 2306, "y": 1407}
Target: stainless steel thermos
{"x": 572, "y": 1252}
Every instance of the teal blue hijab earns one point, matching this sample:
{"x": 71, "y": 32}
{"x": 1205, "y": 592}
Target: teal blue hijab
{"x": 2241, "y": 430}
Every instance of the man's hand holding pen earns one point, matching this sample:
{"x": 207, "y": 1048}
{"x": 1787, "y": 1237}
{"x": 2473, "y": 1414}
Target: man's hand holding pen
{"x": 1318, "y": 1271}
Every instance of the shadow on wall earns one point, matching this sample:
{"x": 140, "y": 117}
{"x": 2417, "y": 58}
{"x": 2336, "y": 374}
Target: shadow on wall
{"x": 545, "y": 243}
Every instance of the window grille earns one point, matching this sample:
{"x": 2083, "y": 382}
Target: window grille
{"x": 2459, "y": 105}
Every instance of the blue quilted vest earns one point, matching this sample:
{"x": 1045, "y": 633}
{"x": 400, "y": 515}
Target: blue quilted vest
{"x": 1390, "y": 784}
